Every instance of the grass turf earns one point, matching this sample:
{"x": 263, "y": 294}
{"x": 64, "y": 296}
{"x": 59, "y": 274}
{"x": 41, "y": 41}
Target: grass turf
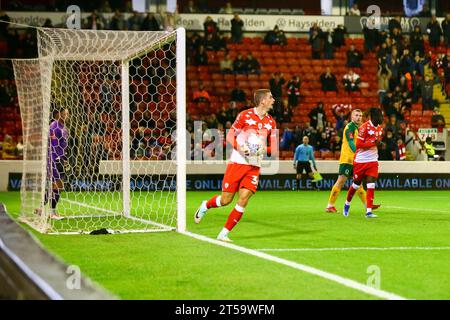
{"x": 173, "y": 266}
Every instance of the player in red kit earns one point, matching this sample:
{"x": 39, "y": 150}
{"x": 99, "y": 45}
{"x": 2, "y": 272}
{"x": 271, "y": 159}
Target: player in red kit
{"x": 365, "y": 163}
{"x": 248, "y": 136}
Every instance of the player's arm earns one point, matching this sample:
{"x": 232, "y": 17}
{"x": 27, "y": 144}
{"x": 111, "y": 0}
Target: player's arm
{"x": 232, "y": 136}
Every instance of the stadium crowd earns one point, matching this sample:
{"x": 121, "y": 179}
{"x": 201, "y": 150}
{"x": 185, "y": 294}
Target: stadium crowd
{"x": 407, "y": 74}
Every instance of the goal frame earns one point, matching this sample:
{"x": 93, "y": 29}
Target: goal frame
{"x": 180, "y": 146}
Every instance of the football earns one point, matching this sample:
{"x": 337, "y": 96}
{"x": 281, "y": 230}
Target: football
{"x": 254, "y": 144}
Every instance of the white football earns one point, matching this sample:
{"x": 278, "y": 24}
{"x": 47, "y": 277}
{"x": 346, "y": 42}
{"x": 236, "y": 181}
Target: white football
{"x": 254, "y": 144}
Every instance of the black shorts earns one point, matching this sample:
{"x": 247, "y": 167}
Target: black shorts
{"x": 303, "y": 166}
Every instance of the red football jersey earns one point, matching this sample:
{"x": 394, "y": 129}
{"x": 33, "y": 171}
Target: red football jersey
{"x": 248, "y": 122}
{"x": 366, "y": 143}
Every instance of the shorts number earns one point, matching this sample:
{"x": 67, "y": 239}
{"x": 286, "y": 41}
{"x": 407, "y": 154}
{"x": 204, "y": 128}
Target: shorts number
{"x": 255, "y": 180}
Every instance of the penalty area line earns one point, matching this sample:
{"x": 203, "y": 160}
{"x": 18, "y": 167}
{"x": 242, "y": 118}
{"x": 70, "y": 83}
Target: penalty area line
{"x": 311, "y": 270}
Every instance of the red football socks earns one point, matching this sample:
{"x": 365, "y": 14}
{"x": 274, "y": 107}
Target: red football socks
{"x": 234, "y": 217}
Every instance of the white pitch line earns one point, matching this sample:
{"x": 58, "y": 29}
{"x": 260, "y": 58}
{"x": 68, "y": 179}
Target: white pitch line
{"x": 352, "y": 249}
{"x": 323, "y": 274}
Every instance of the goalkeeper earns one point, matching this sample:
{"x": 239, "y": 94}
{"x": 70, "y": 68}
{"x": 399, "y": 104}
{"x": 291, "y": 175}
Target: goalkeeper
{"x": 346, "y": 161}
{"x": 242, "y": 172}
{"x": 57, "y": 160}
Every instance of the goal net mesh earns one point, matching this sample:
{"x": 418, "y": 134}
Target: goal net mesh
{"x": 99, "y": 117}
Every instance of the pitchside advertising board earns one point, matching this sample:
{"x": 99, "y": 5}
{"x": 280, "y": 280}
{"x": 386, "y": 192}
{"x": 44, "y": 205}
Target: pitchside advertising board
{"x": 269, "y": 182}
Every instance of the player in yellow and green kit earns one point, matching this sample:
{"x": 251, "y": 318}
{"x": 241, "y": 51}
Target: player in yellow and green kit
{"x": 346, "y": 161}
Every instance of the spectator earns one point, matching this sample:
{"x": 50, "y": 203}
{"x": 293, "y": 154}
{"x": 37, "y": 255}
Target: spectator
{"x": 293, "y": 91}
{"x": 210, "y": 27}
{"x": 437, "y": 120}
{"x": 406, "y": 62}
{"x": 419, "y": 65}
{"x": 276, "y": 83}
{"x": 393, "y": 125}
{"x": 370, "y": 38}
{"x": 434, "y": 32}
{"x": 95, "y": 21}
{"x": 228, "y": 9}
{"x": 201, "y": 58}
{"x": 351, "y": 81}
{"x": 220, "y": 42}
{"x": 384, "y": 75}
{"x": 416, "y": 41}
{"x": 391, "y": 144}
{"x": 354, "y": 57}
{"x": 238, "y": 95}
{"x": 426, "y": 90}
{"x": 446, "y": 30}
{"x": 9, "y": 150}
{"x": 316, "y": 28}
{"x": 271, "y": 36}
{"x": 201, "y": 95}
{"x": 327, "y": 45}
{"x": 150, "y": 23}
{"x": 340, "y": 117}
{"x": 429, "y": 148}
{"x": 394, "y": 23}
{"x": 328, "y": 80}
{"x": 232, "y": 113}
{"x": 317, "y": 116}
{"x": 336, "y": 143}
{"x": 226, "y": 64}
{"x": 322, "y": 142}
{"x": 287, "y": 138}
{"x": 222, "y": 115}
{"x": 209, "y": 42}
{"x": 396, "y": 37}
{"x": 252, "y": 65}
{"x": 354, "y": 11}
{"x": 117, "y": 21}
{"x": 316, "y": 45}
{"x": 190, "y": 7}
{"x": 281, "y": 38}
{"x": 383, "y": 153}
{"x": 400, "y": 150}
{"x": 239, "y": 65}
{"x": 237, "y": 26}
{"x": 339, "y": 36}
{"x": 135, "y": 21}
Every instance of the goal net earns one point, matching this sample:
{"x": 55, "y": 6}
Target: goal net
{"x": 102, "y": 112}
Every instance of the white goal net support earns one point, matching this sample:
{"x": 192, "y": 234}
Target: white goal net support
{"x": 102, "y": 113}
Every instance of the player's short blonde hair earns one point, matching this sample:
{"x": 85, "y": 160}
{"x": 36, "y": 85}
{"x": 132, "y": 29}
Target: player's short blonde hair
{"x": 259, "y": 94}
{"x": 356, "y": 110}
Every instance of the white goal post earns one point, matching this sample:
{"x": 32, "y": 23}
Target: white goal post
{"x": 104, "y": 97}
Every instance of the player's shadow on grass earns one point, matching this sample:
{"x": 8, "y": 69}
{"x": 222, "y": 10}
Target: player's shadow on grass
{"x": 286, "y": 230}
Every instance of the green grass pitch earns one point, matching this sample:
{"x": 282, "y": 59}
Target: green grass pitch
{"x": 410, "y": 244}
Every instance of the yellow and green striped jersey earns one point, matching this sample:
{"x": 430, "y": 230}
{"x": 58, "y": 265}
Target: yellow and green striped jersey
{"x": 348, "y": 143}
